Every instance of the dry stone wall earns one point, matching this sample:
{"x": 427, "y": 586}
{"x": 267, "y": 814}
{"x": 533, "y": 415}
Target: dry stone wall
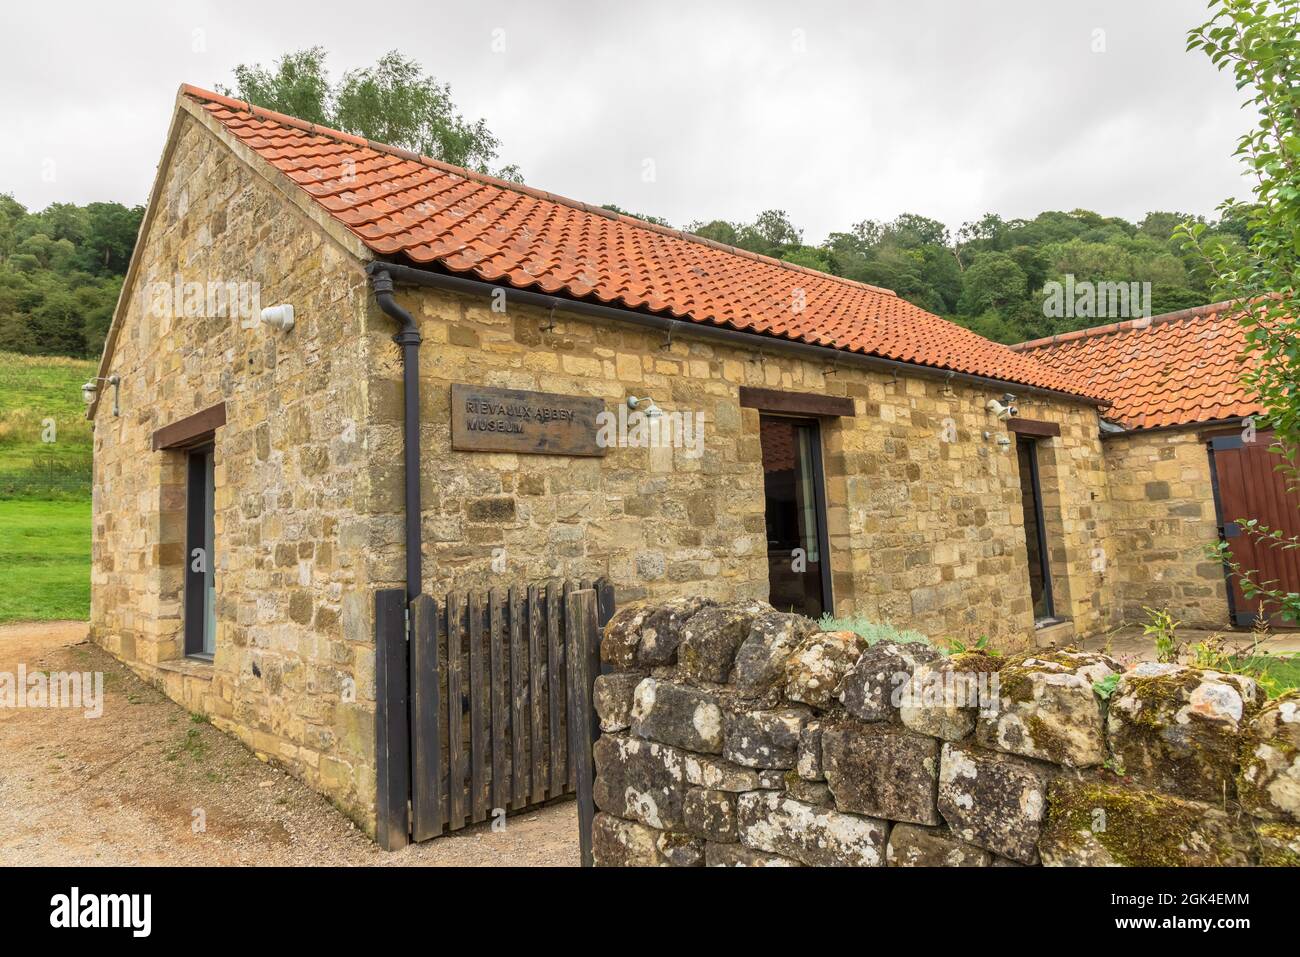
{"x": 734, "y": 735}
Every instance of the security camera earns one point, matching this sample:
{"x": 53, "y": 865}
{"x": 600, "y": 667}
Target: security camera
{"x": 1004, "y": 409}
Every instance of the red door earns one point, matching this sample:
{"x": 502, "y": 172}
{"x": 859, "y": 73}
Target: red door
{"x": 1249, "y": 485}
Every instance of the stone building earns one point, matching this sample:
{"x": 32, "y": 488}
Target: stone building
{"x": 596, "y": 396}
{"x": 1184, "y": 460}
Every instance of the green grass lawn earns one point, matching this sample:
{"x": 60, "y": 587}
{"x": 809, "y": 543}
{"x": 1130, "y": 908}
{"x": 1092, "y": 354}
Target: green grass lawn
{"x": 44, "y": 560}
{"x": 45, "y": 439}
{"x": 45, "y": 474}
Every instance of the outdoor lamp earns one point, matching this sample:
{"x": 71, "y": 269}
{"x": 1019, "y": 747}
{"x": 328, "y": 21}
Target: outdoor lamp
{"x": 91, "y": 389}
{"x": 651, "y": 411}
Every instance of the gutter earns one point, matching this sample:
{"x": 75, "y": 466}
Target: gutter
{"x": 735, "y": 337}
{"x": 408, "y": 337}
{"x": 1230, "y": 422}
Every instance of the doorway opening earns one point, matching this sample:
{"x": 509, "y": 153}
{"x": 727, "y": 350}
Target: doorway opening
{"x": 798, "y": 553}
{"x": 1036, "y": 547}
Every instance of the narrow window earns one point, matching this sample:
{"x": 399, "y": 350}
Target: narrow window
{"x": 797, "y": 555}
{"x": 1031, "y": 499}
{"x": 200, "y": 574}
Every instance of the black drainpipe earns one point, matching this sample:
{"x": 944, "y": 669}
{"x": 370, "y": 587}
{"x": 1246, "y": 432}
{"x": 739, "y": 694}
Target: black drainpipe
{"x": 409, "y": 339}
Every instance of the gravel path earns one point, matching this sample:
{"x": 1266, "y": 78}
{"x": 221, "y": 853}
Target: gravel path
{"x": 124, "y": 788}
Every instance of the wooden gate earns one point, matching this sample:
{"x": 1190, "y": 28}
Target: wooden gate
{"x": 487, "y": 708}
{"x": 1249, "y": 485}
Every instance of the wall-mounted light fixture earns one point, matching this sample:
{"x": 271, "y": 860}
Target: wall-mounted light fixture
{"x": 651, "y": 411}
{"x": 91, "y": 389}
{"x": 279, "y": 317}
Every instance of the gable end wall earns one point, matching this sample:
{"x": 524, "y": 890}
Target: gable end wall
{"x": 293, "y": 675}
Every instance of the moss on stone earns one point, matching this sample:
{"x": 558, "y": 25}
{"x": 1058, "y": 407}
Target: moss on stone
{"x": 1279, "y": 845}
{"x": 1252, "y": 792}
{"x": 1014, "y": 672}
{"x": 1015, "y": 684}
{"x": 1140, "y": 828}
{"x": 1151, "y": 691}
{"x": 976, "y": 662}
{"x": 1047, "y": 740}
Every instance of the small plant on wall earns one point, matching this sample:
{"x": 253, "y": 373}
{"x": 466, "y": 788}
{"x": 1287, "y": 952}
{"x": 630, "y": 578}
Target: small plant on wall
{"x": 955, "y": 646}
{"x": 1161, "y": 628}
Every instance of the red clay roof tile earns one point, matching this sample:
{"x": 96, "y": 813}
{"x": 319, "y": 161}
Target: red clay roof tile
{"x": 401, "y": 205}
{"x": 1177, "y": 369}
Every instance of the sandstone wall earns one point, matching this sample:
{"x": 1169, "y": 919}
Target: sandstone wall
{"x": 923, "y": 499}
{"x": 735, "y": 735}
{"x": 924, "y": 510}
{"x": 293, "y": 675}
{"x": 1161, "y": 518}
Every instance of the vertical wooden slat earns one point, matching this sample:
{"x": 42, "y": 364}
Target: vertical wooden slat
{"x": 427, "y": 811}
{"x": 392, "y": 744}
{"x": 519, "y": 687}
{"x": 479, "y": 715}
{"x": 537, "y": 691}
{"x": 571, "y": 779}
{"x": 604, "y": 601}
{"x": 580, "y": 622}
{"x": 500, "y": 703}
{"x": 555, "y": 689}
{"x": 455, "y": 712}
{"x": 604, "y": 612}
{"x": 444, "y": 762}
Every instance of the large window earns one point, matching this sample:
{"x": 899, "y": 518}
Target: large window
{"x": 200, "y": 574}
{"x": 797, "y": 554}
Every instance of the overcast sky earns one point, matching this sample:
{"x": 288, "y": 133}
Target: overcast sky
{"x": 835, "y": 112}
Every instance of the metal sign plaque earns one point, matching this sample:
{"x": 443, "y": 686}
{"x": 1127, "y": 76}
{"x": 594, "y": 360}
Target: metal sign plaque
{"x": 512, "y": 420}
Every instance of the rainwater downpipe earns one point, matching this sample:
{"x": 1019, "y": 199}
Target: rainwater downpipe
{"x": 408, "y": 337}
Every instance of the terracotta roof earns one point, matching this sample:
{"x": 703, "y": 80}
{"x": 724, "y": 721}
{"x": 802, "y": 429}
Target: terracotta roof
{"x": 407, "y": 207}
{"x": 1176, "y": 369}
